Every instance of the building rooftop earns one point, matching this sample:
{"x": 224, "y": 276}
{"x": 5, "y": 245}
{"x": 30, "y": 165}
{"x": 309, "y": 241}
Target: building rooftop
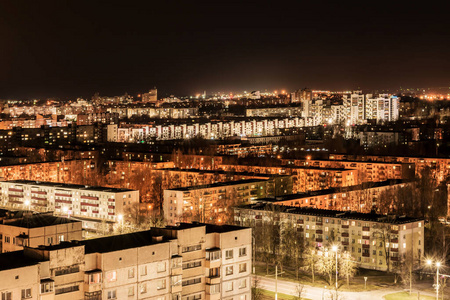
{"x": 16, "y": 259}
{"x": 218, "y": 184}
{"x": 70, "y": 186}
{"x": 38, "y": 220}
{"x": 253, "y": 174}
{"x": 372, "y": 217}
{"x": 121, "y": 242}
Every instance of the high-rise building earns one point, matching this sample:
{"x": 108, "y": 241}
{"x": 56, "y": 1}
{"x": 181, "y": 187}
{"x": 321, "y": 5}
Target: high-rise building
{"x": 151, "y": 96}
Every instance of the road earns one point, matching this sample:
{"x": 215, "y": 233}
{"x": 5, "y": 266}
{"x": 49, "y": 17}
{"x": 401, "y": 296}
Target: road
{"x": 315, "y": 293}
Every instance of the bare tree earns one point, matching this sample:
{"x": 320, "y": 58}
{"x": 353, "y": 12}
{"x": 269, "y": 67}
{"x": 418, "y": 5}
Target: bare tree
{"x": 327, "y": 265}
{"x": 300, "y": 290}
{"x": 347, "y": 266}
{"x": 311, "y": 259}
{"x": 406, "y": 270}
{"x": 256, "y": 289}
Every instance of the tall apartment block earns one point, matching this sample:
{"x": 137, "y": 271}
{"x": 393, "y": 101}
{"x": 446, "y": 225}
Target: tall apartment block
{"x": 185, "y": 262}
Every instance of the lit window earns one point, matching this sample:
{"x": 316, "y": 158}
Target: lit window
{"x": 111, "y": 276}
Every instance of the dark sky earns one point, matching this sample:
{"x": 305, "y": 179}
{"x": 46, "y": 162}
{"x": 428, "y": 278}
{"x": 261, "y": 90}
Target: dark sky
{"x": 76, "y": 48}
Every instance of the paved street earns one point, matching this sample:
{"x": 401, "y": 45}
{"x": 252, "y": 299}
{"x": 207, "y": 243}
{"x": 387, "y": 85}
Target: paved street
{"x": 289, "y": 288}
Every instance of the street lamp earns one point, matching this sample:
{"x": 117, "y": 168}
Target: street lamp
{"x": 438, "y": 264}
{"x": 335, "y": 249}
{"x": 27, "y": 204}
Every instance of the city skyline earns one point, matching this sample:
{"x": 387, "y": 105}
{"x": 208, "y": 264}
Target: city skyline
{"x": 75, "y": 50}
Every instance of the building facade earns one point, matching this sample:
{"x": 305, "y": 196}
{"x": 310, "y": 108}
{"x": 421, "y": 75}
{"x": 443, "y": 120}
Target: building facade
{"x": 375, "y": 241}
{"x": 98, "y": 203}
{"x": 189, "y": 261}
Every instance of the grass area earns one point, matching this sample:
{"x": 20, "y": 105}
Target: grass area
{"x": 271, "y": 295}
{"x": 376, "y": 279}
{"x": 406, "y": 296}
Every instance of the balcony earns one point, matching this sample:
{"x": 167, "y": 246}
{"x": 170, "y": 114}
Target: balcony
{"x": 299, "y": 221}
{"x": 394, "y": 231}
{"x": 319, "y": 223}
{"x": 300, "y": 229}
{"x": 394, "y": 258}
{"x": 345, "y": 243}
{"x": 366, "y": 254}
{"x": 345, "y": 234}
{"x": 366, "y": 237}
{"x": 394, "y": 249}
{"x": 394, "y": 240}
{"x": 319, "y": 240}
{"x": 365, "y": 246}
{"x": 212, "y": 280}
{"x": 319, "y": 231}
{"x": 366, "y": 228}
{"x": 345, "y": 226}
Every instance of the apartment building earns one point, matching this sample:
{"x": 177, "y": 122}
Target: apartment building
{"x": 33, "y": 230}
{"x": 362, "y": 197}
{"x": 440, "y": 166}
{"x": 245, "y": 150}
{"x": 304, "y": 178}
{"x": 205, "y": 202}
{"x": 368, "y": 171}
{"x": 208, "y": 130}
{"x": 288, "y": 111}
{"x": 96, "y": 203}
{"x": 375, "y": 241}
{"x": 69, "y": 171}
{"x": 189, "y": 261}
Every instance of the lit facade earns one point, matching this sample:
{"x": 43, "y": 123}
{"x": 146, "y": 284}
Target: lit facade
{"x": 377, "y": 242}
{"x": 190, "y": 261}
{"x": 68, "y": 200}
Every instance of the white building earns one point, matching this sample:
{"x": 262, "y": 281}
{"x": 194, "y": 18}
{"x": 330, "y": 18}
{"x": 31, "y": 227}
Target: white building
{"x": 98, "y": 203}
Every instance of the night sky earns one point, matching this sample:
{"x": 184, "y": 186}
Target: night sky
{"x": 76, "y": 48}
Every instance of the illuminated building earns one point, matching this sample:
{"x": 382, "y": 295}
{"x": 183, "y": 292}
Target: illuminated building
{"x": 375, "y": 241}
{"x": 85, "y": 202}
{"x": 190, "y": 261}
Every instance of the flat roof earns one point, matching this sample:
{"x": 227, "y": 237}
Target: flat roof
{"x": 225, "y": 172}
{"x": 70, "y": 186}
{"x": 293, "y": 167}
{"x": 352, "y": 161}
{"x": 210, "y": 228}
{"x": 16, "y": 259}
{"x": 38, "y": 220}
{"x": 218, "y": 184}
{"x": 121, "y": 242}
{"x": 372, "y": 217}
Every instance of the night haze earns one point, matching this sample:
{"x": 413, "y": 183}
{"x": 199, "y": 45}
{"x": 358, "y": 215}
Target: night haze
{"x": 74, "y": 49}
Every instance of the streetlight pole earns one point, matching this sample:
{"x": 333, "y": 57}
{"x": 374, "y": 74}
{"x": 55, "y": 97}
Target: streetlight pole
{"x": 335, "y": 249}
{"x": 438, "y": 264}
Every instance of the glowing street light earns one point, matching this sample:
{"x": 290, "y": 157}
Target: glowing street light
{"x": 27, "y": 204}
{"x": 438, "y": 264}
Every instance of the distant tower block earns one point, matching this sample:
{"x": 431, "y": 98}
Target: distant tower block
{"x": 151, "y": 96}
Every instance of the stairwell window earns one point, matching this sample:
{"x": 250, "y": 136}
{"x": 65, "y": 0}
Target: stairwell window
{"x": 229, "y": 254}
